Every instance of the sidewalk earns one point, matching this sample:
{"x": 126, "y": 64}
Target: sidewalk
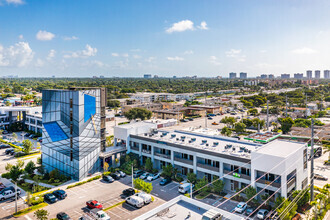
{"x": 8, "y": 183}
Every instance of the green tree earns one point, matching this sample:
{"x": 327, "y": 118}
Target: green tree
{"x": 285, "y": 212}
{"x": 138, "y": 113}
{"x": 228, "y": 120}
{"x": 8, "y": 167}
{"x": 239, "y": 127}
{"x": 200, "y": 185}
{"x": 14, "y": 135}
{"x": 41, "y": 214}
{"x": 286, "y": 124}
{"x": 148, "y": 165}
{"x": 250, "y": 193}
{"x": 226, "y": 131}
{"x": 304, "y": 199}
{"x": 27, "y": 146}
{"x": 15, "y": 172}
{"x": 113, "y": 103}
{"x": 192, "y": 178}
{"x": 142, "y": 185}
{"x": 168, "y": 171}
{"x": 30, "y": 167}
{"x": 20, "y": 163}
{"x": 218, "y": 186}
{"x": 248, "y": 122}
{"x": 253, "y": 111}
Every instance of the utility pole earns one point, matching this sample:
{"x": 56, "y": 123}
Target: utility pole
{"x": 132, "y": 177}
{"x": 306, "y": 106}
{"x": 267, "y": 115}
{"x": 15, "y": 196}
{"x": 312, "y": 162}
{"x": 286, "y": 106}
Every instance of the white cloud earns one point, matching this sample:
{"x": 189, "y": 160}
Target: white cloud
{"x": 70, "y": 38}
{"x": 188, "y": 52}
{"x": 181, "y": 26}
{"x": 135, "y": 50}
{"x": 214, "y": 60}
{"x": 115, "y": 54}
{"x": 150, "y": 59}
{"x": 136, "y": 56}
{"x": 18, "y": 55}
{"x": 304, "y": 50}
{"x": 15, "y": 2}
{"x": 203, "y": 26}
{"x": 44, "y": 35}
{"x": 176, "y": 58}
{"x": 51, "y": 54}
{"x": 20, "y": 37}
{"x": 94, "y": 63}
{"x": 233, "y": 53}
{"x": 88, "y": 52}
{"x": 125, "y": 55}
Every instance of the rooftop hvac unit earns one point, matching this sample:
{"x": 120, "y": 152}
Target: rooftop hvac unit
{"x": 173, "y": 135}
{"x": 207, "y": 145}
{"x": 183, "y": 137}
{"x": 145, "y": 134}
{"x": 216, "y": 143}
{"x": 177, "y": 139}
{"x": 234, "y": 148}
{"x": 204, "y": 141}
{"x": 193, "y": 139}
{"x": 164, "y": 133}
{"x": 241, "y": 148}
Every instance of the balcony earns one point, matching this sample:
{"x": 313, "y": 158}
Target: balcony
{"x": 237, "y": 175}
{"x": 186, "y": 161}
{"x": 135, "y": 148}
{"x": 208, "y": 167}
{"x": 163, "y": 155}
{"x": 268, "y": 182}
{"x": 291, "y": 183}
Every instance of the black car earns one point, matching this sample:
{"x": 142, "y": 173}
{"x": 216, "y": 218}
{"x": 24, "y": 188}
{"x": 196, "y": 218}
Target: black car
{"x": 62, "y": 216}
{"x": 50, "y": 198}
{"x": 10, "y": 188}
{"x": 165, "y": 181}
{"x": 10, "y": 151}
{"x": 108, "y": 179}
{"x": 250, "y": 210}
{"x": 3, "y": 146}
{"x": 27, "y": 135}
{"x": 116, "y": 176}
{"x": 60, "y": 194}
{"x": 129, "y": 192}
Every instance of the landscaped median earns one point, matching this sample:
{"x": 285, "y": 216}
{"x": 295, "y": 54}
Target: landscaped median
{"x": 83, "y": 182}
{"x": 10, "y": 144}
{"x": 117, "y": 204}
{"x": 30, "y": 209}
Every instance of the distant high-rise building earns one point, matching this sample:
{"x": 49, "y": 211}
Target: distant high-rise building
{"x": 317, "y": 74}
{"x": 309, "y": 74}
{"x": 326, "y": 74}
{"x": 271, "y": 76}
{"x": 232, "y": 75}
{"x": 285, "y": 76}
{"x": 155, "y": 76}
{"x": 298, "y": 75}
{"x": 102, "y": 76}
{"x": 263, "y": 76}
{"x": 243, "y": 75}
{"x": 147, "y": 76}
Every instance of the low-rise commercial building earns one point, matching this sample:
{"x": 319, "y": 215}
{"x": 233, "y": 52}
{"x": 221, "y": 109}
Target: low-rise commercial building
{"x": 168, "y": 114}
{"x": 280, "y": 166}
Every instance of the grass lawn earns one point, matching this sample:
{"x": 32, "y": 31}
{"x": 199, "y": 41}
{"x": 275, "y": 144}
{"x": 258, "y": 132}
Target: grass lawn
{"x": 46, "y": 181}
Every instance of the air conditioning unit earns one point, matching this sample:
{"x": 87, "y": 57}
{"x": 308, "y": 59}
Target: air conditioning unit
{"x": 177, "y": 139}
{"x": 173, "y": 135}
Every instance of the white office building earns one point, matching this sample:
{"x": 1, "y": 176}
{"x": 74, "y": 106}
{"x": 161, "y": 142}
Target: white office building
{"x": 280, "y": 166}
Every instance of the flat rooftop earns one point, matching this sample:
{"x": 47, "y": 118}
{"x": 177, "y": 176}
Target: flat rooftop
{"x": 280, "y": 148}
{"x": 213, "y": 143}
{"x": 262, "y": 137}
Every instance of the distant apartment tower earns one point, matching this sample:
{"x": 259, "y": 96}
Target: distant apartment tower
{"x": 298, "y": 75}
{"x": 309, "y": 74}
{"x": 285, "y": 76}
{"x": 147, "y": 76}
{"x": 263, "y": 76}
{"x": 243, "y": 75}
{"x": 317, "y": 74}
{"x": 271, "y": 76}
{"x": 326, "y": 74}
{"x": 232, "y": 75}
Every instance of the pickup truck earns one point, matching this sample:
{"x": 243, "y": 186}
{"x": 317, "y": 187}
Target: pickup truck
{"x": 8, "y": 194}
{"x": 99, "y": 214}
{"x": 92, "y": 204}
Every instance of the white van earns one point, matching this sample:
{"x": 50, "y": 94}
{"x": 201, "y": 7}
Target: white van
{"x": 146, "y": 197}
{"x": 99, "y": 214}
{"x": 7, "y": 194}
{"x": 135, "y": 201}
{"x": 185, "y": 188}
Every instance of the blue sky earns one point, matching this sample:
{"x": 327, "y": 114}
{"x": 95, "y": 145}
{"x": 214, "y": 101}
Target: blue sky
{"x": 187, "y": 37}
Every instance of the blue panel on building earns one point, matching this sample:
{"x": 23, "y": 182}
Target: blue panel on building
{"x": 89, "y": 107}
{"x": 54, "y": 131}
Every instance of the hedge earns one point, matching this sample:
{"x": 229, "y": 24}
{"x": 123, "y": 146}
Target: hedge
{"x": 10, "y": 144}
{"x": 30, "y": 209}
{"x": 119, "y": 203}
{"x": 81, "y": 183}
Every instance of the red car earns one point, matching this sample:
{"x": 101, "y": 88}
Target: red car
{"x": 92, "y": 204}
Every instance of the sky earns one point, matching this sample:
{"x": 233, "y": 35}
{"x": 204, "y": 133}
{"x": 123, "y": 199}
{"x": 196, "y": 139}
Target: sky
{"x": 83, "y": 38}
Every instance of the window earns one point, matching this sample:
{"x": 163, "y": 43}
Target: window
{"x": 305, "y": 159}
{"x": 304, "y": 183}
{"x": 245, "y": 171}
{"x": 216, "y": 164}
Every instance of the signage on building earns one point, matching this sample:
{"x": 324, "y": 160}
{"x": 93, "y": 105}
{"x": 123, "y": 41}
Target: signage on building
{"x": 236, "y": 175}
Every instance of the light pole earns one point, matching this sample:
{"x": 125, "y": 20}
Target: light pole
{"x": 16, "y": 196}
{"x": 132, "y": 177}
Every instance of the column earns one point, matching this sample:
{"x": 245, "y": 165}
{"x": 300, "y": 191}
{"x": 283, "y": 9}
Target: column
{"x": 221, "y": 170}
{"x": 152, "y": 154}
{"x": 140, "y": 153}
{"x": 283, "y": 186}
{"x": 172, "y": 157}
{"x": 253, "y": 178}
{"x": 195, "y": 164}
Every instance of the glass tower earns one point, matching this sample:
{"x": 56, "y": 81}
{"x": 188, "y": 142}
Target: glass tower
{"x": 73, "y": 130}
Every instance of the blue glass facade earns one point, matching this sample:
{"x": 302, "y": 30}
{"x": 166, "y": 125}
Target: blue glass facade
{"x": 55, "y": 132}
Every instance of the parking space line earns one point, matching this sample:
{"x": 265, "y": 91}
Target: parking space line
{"x": 77, "y": 212}
{"x": 125, "y": 210}
{"x": 114, "y": 214}
{"x": 174, "y": 187}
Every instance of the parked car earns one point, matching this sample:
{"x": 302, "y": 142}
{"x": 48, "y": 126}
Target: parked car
{"x": 39, "y": 139}
{"x": 27, "y": 135}
{"x": 190, "y": 119}
{"x": 60, "y": 194}
{"x": 135, "y": 201}
{"x": 240, "y": 208}
{"x": 63, "y": 216}
{"x": 214, "y": 123}
{"x": 320, "y": 177}
{"x": 10, "y": 188}
{"x": 4, "y": 146}
{"x": 137, "y": 173}
{"x": 99, "y": 214}
{"x": 185, "y": 188}
{"x": 165, "y": 181}
{"x": 50, "y": 198}
{"x": 116, "y": 176}
{"x": 18, "y": 154}
{"x": 128, "y": 192}
{"x": 262, "y": 213}
{"x": 210, "y": 118}
{"x": 121, "y": 173}
{"x": 8, "y": 151}
{"x": 152, "y": 177}
{"x": 249, "y": 211}
{"x": 184, "y": 120}
{"x": 92, "y": 204}
{"x": 146, "y": 197}
{"x": 107, "y": 178}
{"x": 144, "y": 175}
{"x": 7, "y": 194}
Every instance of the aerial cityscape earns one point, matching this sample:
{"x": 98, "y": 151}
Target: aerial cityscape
{"x": 163, "y": 110}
